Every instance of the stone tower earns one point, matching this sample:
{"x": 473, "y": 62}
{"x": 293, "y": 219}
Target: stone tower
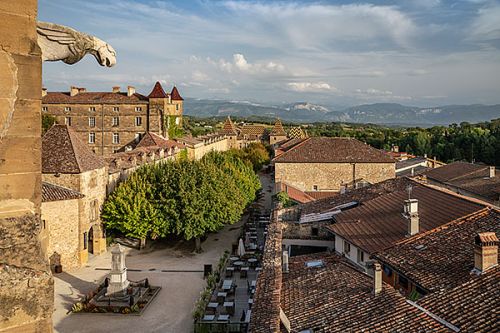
{"x": 278, "y": 133}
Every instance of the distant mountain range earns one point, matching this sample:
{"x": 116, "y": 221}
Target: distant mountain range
{"x": 378, "y": 113}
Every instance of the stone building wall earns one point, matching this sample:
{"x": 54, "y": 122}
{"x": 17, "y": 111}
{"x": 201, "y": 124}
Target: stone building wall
{"x": 104, "y": 129}
{"x": 26, "y": 285}
{"x": 61, "y": 232}
{"x": 93, "y": 185}
{"x": 196, "y": 152}
{"x": 330, "y": 176}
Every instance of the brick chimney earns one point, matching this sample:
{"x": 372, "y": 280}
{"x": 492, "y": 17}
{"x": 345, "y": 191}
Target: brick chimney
{"x": 492, "y": 172}
{"x": 116, "y": 89}
{"x": 130, "y": 91}
{"x": 82, "y": 90}
{"x": 411, "y": 214}
{"x": 485, "y": 251}
{"x": 73, "y": 91}
{"x": 377, "y": 278}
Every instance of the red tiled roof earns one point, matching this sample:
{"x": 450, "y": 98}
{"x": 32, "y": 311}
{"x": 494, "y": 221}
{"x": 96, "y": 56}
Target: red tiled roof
{"x": 157, "y": 91}
{"x": 175, "y": 94}
{"x": 278, "y": 129}
{"x": 51, "y": 192}
{"x": 333, "y": 150}
{"x": 473, "y": 178}
{"x": 443, "y": 257}
{"x": 472, "y": 306}
{"x": 338, "y": 298}
{"x": 316, "y": 195}
{"x": 379, "y": 223}
{"x": 93, "y": 98}
{"x": 253, "y": 131}
{"x": 64, "y": 152}
{"x": 360, "y": 195}
{"x": 229, "y": 127}
{"x": 293, "y": 193}
{"x": 152, "y": 139}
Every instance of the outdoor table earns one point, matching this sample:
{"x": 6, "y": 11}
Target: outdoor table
{"x": 247, "y": 316}
{"x": 243, "y": 272}
{"x": 252, "y": 262}
{"x": 252, "y": 246}
{"x": 258, "y": 269}
{"x": 229, "y": 307}
{"x": 221, "y": 296}
{"x": 213, "y": 305}
{"x": 227, "y": 284}
{"x": 208, "y": 317}
{"x": 223, "y": 317}
{"x": 229, "y": 271}
{"x": 238, "y": 263}
{"x": 234, "y": 258}
{"x": 250, "y": 303}
{"x": 254, "y": 283}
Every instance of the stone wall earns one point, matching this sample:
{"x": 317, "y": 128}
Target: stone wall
{"x": 104, "y": 128}
{"x": 26, "y": 285}
{"x": 330, "y": 176}
{"x": 92, "y": 184}
{"x": 61, "y": 231}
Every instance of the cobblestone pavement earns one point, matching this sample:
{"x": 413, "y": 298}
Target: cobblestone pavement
{"x": 171, "y": 311}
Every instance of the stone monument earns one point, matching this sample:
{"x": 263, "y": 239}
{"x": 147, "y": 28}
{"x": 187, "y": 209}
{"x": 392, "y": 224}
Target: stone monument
{"x": 118, "y": 281}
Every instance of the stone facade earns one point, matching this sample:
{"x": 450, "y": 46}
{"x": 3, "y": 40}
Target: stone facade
{"x": 202, "y": 145}
{"x": 92, "y": 184}
{"x": 112, "y": 121}
{"x": 26, "y": 285}
{"x": 60, "y": 233}
{"x": 331, "y": 176}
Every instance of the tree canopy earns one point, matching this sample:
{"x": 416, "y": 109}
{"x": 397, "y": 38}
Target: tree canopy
{"x": 183, "y": 197}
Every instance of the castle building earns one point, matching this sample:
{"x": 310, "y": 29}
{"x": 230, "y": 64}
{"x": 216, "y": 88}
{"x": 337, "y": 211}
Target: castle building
{"x": 111, "y": 122}
{"x": 278, "y": 133}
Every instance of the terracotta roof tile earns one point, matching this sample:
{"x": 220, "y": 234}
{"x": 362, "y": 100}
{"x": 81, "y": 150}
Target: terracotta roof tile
{"x": 379, "y": 223}
{"x": 338, "y": 298}
{"x": 64, "y": 152}
{"x": 51, "y": 192}
{"x": 473, "y": 306}
{"x": 229, "y": 127}
{"x": 93, "y": 97}
{"x": 157, "y": 91}
{"x": 473, "y": 178}
{"x": 443, "y": 257}
{"x": 333, "y": 150}
{"x": 152, "y": 139}
{"x": 278, "y": 129}
{"x": 175, "y": 94}
{"x": 293, "y": 193}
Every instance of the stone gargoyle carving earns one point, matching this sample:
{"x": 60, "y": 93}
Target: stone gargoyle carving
{"x": 63, "y": 43}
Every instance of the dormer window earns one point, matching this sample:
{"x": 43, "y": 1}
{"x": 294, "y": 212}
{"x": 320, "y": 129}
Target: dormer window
{"x": 92, "y": 109}
{"x": 67, "y": 108}
{"x": 138, "y": 109}
{"x": 116, "y": 108}
{"x": 45, "y": 109}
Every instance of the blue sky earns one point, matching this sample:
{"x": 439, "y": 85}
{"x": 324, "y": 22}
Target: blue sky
{"x": 420, "y": 52}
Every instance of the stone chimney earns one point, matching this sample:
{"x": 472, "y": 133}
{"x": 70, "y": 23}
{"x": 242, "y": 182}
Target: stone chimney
{"x": 116, "y": 89}
{"x": 73, "y": 91}
{"x": 44, "y": 92}
{"x": 130, "y": 91}
{"x": 411, "y": 214}
{"x": 377, "y": 278}
{"x": 485, "y": 251}
{"x": 82, "y": 90}
{"x": 492, "y": 172}
{"x": 285, "y": 261}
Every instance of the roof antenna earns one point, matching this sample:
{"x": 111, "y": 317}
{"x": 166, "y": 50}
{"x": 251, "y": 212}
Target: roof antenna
{"x": 409, "y": 189}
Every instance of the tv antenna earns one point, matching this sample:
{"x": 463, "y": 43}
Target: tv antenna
{"x": 409, "y": 189}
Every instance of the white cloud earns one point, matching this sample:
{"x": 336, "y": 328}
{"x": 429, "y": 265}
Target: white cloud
{"x": 311, "y": 87}
{"x": 241, "y": 65}
{"x": 372, "y": 91}
{"x": 198, "y": 76}
{"x": 486, "y": 26}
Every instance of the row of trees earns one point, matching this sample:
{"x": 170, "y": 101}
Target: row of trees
{"x": 185, "y": 198}
{"x": 469, "y": 142}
